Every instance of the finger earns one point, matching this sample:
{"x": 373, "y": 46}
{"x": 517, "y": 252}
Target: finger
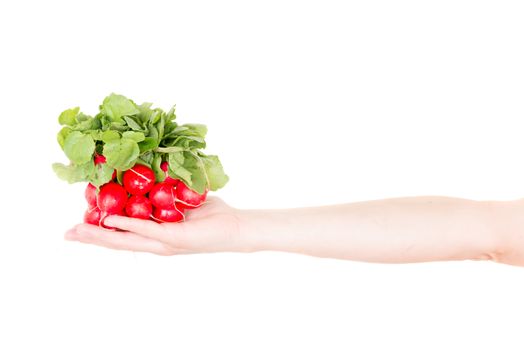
{"x": 92, "y": 234}
{"x": 145, "y": 228}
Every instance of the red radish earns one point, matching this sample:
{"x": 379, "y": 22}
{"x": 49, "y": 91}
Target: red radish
{"x": 99, "y": 159}
{"x": 188, "y": 198}
{"x": 168, "y": 180}
{"x": 112, "y": 198}
{"x": 139, "y": 179}
{"x": 92, "y": 216}
{"x": 139, "y": 207}
{"x": 162, "y": 195}
{"x": 90, "y": 194}
{"x": 174, "y": 214}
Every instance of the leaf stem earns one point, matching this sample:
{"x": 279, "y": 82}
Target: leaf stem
{"x": 169, "y": 149}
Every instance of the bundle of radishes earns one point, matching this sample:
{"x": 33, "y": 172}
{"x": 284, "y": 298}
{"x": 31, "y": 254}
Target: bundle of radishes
{"x": 140, "y": 197}
{"x": 138, "y": 161}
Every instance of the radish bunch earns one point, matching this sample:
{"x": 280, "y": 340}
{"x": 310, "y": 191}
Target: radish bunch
{"x": 140, "y": 197}
{"x": 138, "y": 161}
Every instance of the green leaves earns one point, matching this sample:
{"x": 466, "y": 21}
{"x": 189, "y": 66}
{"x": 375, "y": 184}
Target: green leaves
{"x": 96, "y": 174}
{"x": 196, "y": 170}
{"x": 133, "y": 135}
{"x": 117, "y": 106}
{"x": 133, "y": 124}
{"x": 110, "y": 135}
{"x": 215, "y": 172}
{"x": 176, "y": 167}
{"x": 121, "y": 154}
{"x": 199, "y": 130}
{"x": 62, "y": 135}
{"x": 149, "y": 144}
{"x": 79, "y": 147}
{"x": 68, "y": 117}
{"x": 86, "y": 124}
{"x": 199, "y": 181}
{"x": 156, "y": 162}
{"x": 103, "y": 173}
{"x": 127, "y": 133}
{"x": 74, "y": 173}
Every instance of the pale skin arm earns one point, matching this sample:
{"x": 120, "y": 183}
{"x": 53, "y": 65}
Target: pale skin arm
{"x": 393, "y": 230}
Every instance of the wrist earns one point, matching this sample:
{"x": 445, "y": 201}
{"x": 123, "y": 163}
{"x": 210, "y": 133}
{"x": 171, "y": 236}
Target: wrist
{"x": 258, "y": 230}
{"x": 248, "y": 230}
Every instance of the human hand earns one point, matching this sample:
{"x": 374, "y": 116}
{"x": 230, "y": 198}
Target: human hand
{"x": 214, "y": 227}
{"x": 394, "y": 230}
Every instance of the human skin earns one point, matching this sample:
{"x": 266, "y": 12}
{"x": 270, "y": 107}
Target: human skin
{"x": 393, "y": 230}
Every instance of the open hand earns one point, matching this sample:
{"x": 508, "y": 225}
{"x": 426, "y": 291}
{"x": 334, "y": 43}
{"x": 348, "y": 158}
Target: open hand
{"x": 213, "y": 227}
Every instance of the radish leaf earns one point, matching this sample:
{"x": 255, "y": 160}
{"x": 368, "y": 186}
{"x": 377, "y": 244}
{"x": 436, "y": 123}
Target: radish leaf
{"x": 121, "y": 154}
{"x": 79, "y": 147}
{"x": 68, "y": 117}
{"x": 116, "y": 106}
{"x": 125, "y": 134}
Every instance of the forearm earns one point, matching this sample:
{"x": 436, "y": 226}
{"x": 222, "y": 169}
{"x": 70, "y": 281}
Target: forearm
{"x": 406, "y": 229}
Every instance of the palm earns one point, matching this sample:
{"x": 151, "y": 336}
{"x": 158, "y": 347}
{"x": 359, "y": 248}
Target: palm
{"x": 211, "y": 228}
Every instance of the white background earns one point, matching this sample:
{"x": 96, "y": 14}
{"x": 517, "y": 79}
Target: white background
{"x": 307, "y": 103}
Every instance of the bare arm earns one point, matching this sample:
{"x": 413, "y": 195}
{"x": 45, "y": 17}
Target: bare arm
{"x": 393, "y": 230}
